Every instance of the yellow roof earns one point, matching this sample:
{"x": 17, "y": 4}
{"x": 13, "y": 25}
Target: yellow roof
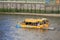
{"x": 33, "y": 20}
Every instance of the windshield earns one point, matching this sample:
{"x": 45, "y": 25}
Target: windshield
{"x": 45, "y": 21}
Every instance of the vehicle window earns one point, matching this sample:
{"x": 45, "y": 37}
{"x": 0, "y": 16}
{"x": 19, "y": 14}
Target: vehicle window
{"x": 28, "y": 23}
{"x": 34, "y": 24}
{"x": 44, "y": 22}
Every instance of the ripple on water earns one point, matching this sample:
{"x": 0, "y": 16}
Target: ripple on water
{"x": 8, "y": 31}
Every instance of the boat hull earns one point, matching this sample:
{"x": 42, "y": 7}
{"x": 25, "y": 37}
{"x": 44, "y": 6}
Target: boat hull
{"x": 30, "y": 26}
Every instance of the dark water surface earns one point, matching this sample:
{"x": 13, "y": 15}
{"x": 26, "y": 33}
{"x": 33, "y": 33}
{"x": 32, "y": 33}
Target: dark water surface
{"x": 8, "y": 31}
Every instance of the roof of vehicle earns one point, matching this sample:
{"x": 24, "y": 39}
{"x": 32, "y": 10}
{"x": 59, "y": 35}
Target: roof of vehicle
{"x": 33, "y": 20}
{"x": 44, "y": 19}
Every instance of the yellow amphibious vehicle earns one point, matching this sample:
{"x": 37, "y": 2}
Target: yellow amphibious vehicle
{"x": 34, "y": 23}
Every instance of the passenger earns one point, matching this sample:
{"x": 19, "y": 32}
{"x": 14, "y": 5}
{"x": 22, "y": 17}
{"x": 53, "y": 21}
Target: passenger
{"x": 44, "y": 22}
{"x": 38, "y": 24}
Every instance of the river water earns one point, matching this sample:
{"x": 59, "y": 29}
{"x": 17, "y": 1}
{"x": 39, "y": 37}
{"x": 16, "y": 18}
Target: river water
{"x": 8, "y": 30}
